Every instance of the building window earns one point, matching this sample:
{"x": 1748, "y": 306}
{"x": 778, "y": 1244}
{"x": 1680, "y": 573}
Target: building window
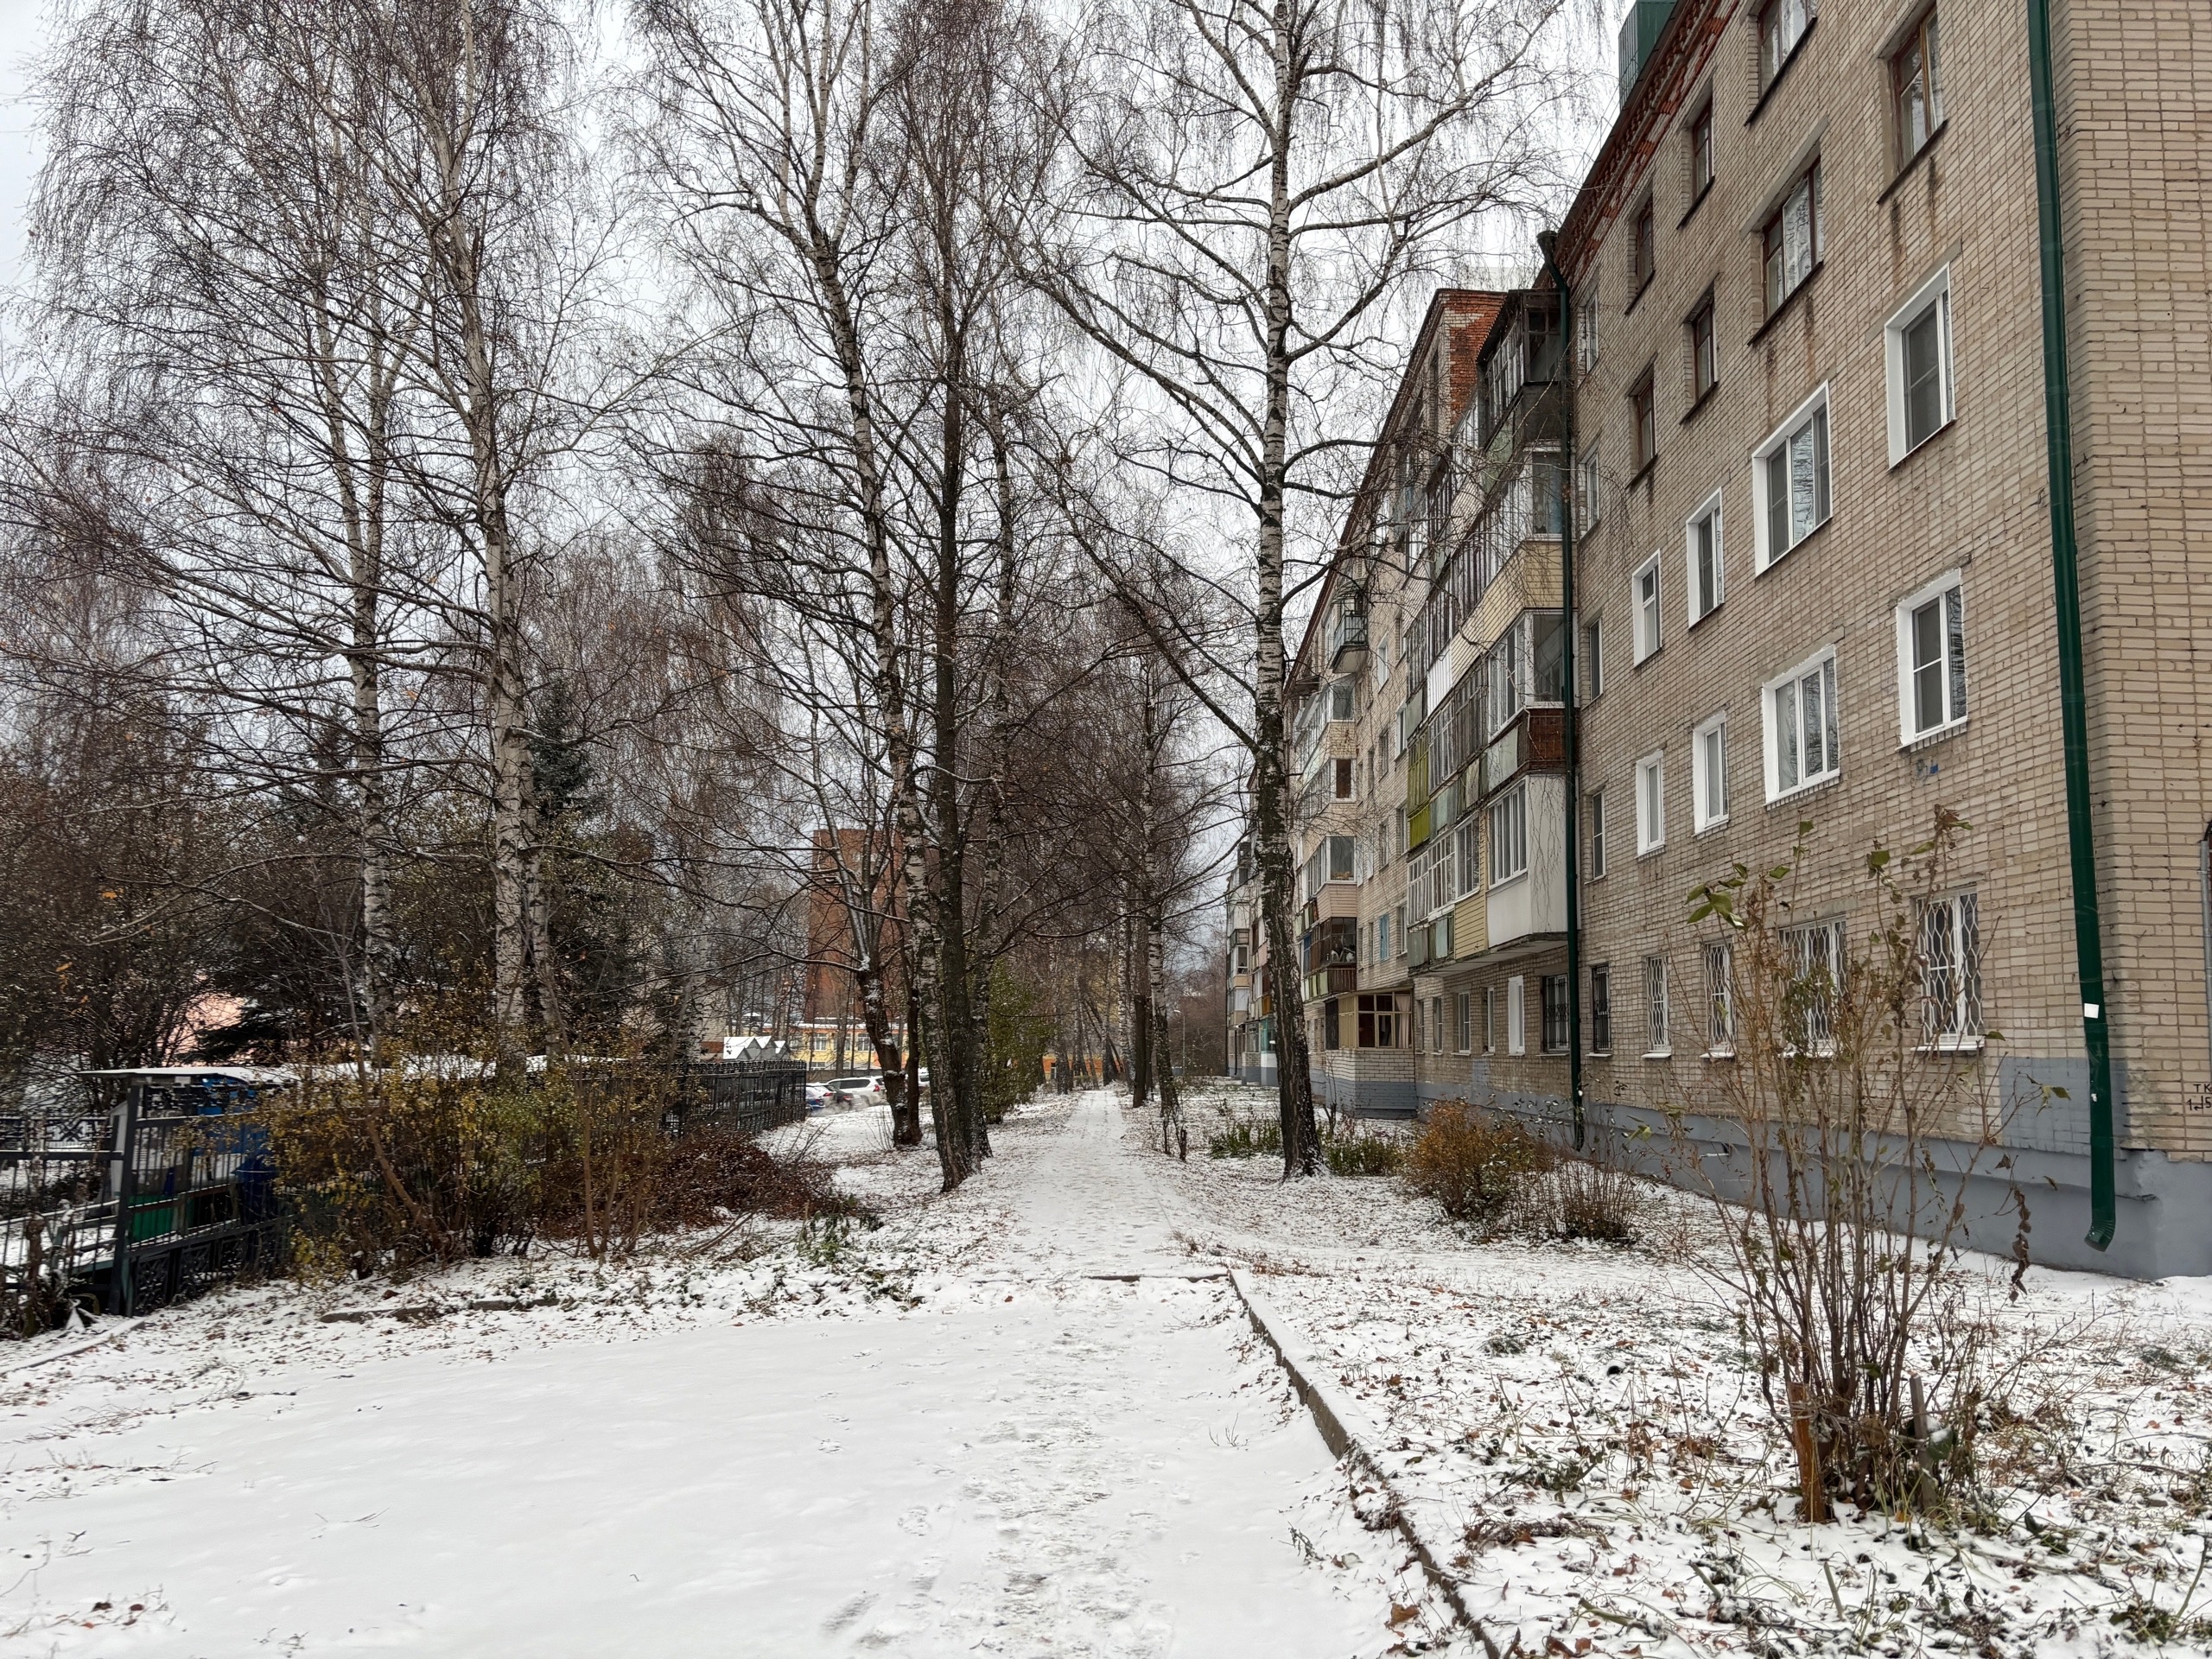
{"x": 1790, "y": 481}
{"x": 1918, "y": 345}
{"x": 1916, "y": 89}
{"x": 1932, "y": 659}
{"x": 1719, "y": 1001}
{"x": 1596, "y": 810}
{"x": 1782, "y": 25}
{"x": 1509, "y": 835}
{"x": 1794, "y": 240}
{"x": 1586, "y": 327}
{"x": 1329, "y": 1033}
{"x": 1701, "y": 551}
{"x": 1341, "y": 698}
{"x": 1489, "y": 1020}
{"x": 1462, "y": 1022}
{"x": 1801, "y": 727}
{"x": 1647, "y": 608}
{"x": 1593, "y": 660}
{"x": 1643, "y": 251}
{"x": 1642, "y": 409}
{"x": 1950, "y": 972}
{"x": 1471, "y": 867}
{"x": 1651, "y": 803}
{"x": 1586, "y": 471}
{"x": 1553, "y": 992}
{"x": 1382, "y": 937}
{"x": 1700, "y": 153}
{"x": 1815, "y": 957}
{"x": 1704, "y": 361}
{"x": 1656, "y": 1045}
{"x": 1399, "y": 931}
{"x": 1378, "y": 1021}
{"x": 1601, "y": 1009}
{"x": 1709, "y": 765}
{"x": 1436, "y": 1025}
{"x": 1517, "y": 1000}
{"x": 1343, "y": 780}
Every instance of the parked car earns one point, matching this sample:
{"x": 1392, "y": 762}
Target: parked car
{"x": 818, "y": 1097}
{"x": 857, "y": 1091}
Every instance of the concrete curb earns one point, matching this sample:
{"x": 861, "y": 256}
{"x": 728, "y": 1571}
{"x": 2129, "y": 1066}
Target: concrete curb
{"x": 1344, "y": 1431}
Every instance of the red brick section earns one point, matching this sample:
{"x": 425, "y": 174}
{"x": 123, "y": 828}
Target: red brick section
{"x": 1464, "y": 315}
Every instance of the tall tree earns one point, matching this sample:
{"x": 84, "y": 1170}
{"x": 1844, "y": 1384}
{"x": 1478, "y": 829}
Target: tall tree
{"x": 1264, "y": 178}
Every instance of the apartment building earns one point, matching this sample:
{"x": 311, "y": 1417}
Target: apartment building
{"x": 1375, "y": 915}
{"x": 1814, "y": 582}
{"x": 1246, "y": 1011}
{"x": 1816, "y": 556}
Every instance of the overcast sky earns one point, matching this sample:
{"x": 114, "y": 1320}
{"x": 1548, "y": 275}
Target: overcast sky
{"x": 20, "y": 33}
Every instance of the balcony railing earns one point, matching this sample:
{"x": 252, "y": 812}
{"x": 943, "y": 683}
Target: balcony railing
{"x": 1533, "y": 740}
{"x": 1347, "y": 641}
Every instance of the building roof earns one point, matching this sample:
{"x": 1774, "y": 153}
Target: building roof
{"x": 1669, "y": 76}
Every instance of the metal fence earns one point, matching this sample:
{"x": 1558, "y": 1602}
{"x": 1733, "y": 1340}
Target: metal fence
{"x": 153, "y": 1186}
{"x": 149, "y": 1186}
{"x": 747, "y": 1096}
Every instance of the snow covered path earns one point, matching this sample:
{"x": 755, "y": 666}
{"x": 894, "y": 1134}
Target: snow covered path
{"x": 1033, "y": 1461}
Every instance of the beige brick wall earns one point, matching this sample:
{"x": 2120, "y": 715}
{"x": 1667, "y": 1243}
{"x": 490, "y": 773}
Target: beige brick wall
{"x": 1972, "y": 498}
{"x": 2134, "y": 90}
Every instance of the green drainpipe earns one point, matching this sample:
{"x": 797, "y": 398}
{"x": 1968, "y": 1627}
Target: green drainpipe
{"x": 2081, "y": 833}
{"x": 1547, "y": 240}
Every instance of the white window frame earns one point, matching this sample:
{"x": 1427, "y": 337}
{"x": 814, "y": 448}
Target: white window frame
{"x": 1952, "y": 923}
{"x": 1516, "y": 1008}
{"x": 1956, "y": 698}
{"x": 1705, "y": 786}
{"x": 1489, "y": 1019}
{"x": 1708, "y": 511}
{"x": 1596, "y": 810}
{"x": 1934, "y": 294}
{"x": 1509, "y": 836}
{"x": 1649, "y": 613}
{"x": 1720, "y": 961}
{"x": 1769, "y": 554}
{"x": 1834, "y": 767}
{"x": 1658, "y": 1029}
{"x": 1651, "y": 803}
{"x": 1593, "y": 655}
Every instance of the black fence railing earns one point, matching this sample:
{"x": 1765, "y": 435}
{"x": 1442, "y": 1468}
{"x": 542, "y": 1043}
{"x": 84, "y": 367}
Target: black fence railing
{"x": 150, "y": 1187}
{"x": 147, "y": 1189}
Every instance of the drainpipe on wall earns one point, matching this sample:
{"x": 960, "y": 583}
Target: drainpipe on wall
{"x": 2205, "y": 895}
{"x": 2081, "y": 833}
{"x": 1547, "y": 240}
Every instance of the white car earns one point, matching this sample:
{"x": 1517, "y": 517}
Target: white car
{"x": 856, "y": 1091}
{"x": 817, "y": 1096}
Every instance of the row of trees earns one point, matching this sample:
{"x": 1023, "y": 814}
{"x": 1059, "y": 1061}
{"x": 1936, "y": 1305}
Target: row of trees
{"x": 480, "y": 497}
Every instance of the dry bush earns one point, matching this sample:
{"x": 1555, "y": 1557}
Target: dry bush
{"x": 430, "y": 1161}
{"x": 1838, "y": 1245}
{"x": 1495, "y": 1176}
{"x": 1479, "y": 1166}
{"x": 1582, "y": 1198}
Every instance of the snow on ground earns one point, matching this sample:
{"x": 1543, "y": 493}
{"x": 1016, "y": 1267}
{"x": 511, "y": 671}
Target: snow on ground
{"x": 1587, "y": 1421}
{"x": 1018, "y": 1420}
{"x": 940, "y": 1436}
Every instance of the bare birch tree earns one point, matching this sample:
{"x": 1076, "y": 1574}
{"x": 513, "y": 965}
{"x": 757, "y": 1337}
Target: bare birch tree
{"x": 1264, "y": 178}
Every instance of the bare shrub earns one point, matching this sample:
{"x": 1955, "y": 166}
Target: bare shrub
{"x": 1479, "y": 1165}
{"x": 1838, "y": 1245}
{"x": 440, "y": 1158}
{"x": 1579, "y": 1197}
